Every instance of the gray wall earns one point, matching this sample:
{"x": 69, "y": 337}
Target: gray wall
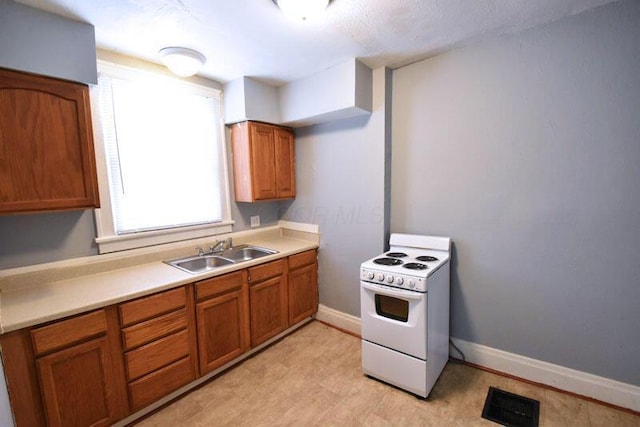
{"x": 526, "y": 151}
{"x": 340, "y": 172}
{"x": 43, "y": 43}
{"x": 46, "y": 237}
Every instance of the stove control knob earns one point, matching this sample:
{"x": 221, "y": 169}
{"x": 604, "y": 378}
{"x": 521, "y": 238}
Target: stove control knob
{"x": 399, "y": 280}
{"x": 370, "y": 275}
{"x": 390, "y": 279}
{"x": 380, "y": 277}
{"x": 412, "y": 284}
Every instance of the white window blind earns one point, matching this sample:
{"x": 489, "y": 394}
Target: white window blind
{"x": 163, "y": 154}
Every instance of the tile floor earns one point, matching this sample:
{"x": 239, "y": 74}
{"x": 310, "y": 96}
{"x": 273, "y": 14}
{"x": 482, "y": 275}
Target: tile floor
{"x": 313, "y": 378}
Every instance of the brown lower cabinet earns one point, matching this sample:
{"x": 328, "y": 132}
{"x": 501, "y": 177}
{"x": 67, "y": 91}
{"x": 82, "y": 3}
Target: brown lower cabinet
{"x": 68, "y": 373}
{"x": 222, "y": 315}
{"x": 303, "y": 286}
{"x": 160, "y": 344}
{"x": 97, "y": 368}
{"x": 78, "y": 386}
{"x": 268, "y": 298}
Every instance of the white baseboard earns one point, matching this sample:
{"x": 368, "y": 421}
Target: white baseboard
{"x": 578, "y": 382}
{"x": 338, "y": 319}
{"x": 582, "y": 383}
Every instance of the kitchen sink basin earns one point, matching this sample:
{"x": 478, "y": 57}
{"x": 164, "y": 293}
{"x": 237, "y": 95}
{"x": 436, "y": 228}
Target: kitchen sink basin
{"x": 200, "y": 264}
{"x": 203, "y": 263}
{"x": 246, "y": 253}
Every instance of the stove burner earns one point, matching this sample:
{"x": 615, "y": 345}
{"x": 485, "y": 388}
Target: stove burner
{"x": 387, "y": 261}
{"x": 415, "y": 266}
{"x": 426, "y": 258}
{"x": 397, "y": 254}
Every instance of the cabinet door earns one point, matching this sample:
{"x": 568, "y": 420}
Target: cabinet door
{"x": 303, "y": 293}
{"x": 263, "y": 161}
{"x": 268, "y": 303}
{"x": 46, "y": 144}
{"x": 285, "y": 169}
{"x": 78, "y": 387}
{"x": 222, "y": 329}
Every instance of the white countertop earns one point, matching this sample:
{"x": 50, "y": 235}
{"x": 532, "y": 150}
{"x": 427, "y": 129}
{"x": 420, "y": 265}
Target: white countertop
{"x": 54, "y": 292}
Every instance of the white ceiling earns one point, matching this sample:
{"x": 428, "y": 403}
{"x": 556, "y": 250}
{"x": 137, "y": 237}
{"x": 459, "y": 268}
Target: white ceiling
{"x": 252, "y": 38}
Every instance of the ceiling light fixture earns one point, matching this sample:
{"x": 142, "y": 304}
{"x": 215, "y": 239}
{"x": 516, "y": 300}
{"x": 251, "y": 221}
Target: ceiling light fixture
{"x": 302, "y": 9}
{"x": 182, "y": 61}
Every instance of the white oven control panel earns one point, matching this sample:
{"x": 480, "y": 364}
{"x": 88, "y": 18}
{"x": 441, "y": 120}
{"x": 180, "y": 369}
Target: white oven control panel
{"x": 411, "y": 283}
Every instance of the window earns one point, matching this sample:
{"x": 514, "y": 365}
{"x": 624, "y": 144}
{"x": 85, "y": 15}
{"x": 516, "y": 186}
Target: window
{"x": 161, "y": 160}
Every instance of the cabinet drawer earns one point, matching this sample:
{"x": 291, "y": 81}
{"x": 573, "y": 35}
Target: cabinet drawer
{"x": 157, "y": 354}
{"x": 157, "y": 384}
{"x": 145, "y": 332}
{"x": 304, "y": 258}
{"x": 266, "y": 271}
{"x": 151, "y": 306}
{"x": 218, "y": 285}
{"x": 66, "y": 332}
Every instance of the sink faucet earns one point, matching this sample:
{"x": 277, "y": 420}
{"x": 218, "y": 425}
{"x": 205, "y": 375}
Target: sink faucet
{"x": 218, "y": 247}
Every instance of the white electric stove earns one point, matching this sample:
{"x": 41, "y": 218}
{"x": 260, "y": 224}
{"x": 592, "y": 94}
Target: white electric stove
{"x": 404, "y": 304}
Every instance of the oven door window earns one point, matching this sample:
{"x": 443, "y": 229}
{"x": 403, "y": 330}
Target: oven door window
{"x": 392, "y": 308}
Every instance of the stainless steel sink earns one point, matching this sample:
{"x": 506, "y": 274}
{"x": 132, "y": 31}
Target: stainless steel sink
{"x": 246, "y": 253}
{"x": 203, "y": 263}
{"x": 200, "y": 264}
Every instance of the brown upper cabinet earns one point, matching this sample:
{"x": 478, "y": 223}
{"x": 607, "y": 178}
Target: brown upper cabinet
{"x": 263, "y": 162}
{"x": 47, "y": 160}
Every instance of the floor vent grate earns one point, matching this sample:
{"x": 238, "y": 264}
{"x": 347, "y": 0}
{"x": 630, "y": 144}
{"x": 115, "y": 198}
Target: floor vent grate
{"x": 510, "y": 409}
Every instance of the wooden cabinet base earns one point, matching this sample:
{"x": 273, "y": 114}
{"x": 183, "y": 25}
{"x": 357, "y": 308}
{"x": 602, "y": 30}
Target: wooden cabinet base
{"x": 157, "y": 354}
{"x": 22, "y": 378}
{"x": 268, "y": 309}
{"x": 223, "y": 329}
{"x": 303, "y": 286}
{"x": 303, "y": 293}
{"x": 158, "y": 384}
{"x": 74, "y": 371}
{"x": 82, "y": 384}
{"x": 74, "y": 385}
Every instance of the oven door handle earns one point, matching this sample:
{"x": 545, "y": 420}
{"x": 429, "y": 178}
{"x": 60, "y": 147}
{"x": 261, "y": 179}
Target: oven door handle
{"x": 392, "y": 292}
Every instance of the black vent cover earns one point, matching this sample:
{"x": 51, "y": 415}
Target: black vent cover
{"x": 510, "y": 409}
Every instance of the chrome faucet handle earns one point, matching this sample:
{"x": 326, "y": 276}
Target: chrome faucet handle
{"x": 218, "y": 246}
{"x": 228, "y": 243}
{"x": 200, "y": 250}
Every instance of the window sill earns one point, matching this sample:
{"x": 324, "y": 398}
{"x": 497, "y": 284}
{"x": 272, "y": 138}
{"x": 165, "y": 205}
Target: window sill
{"x": 107, "y": 244}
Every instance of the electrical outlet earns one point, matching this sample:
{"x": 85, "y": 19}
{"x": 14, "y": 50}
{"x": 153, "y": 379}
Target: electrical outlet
{"x": 255, "y": 221}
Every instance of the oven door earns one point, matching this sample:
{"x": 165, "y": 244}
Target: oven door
{"x": 394, "y": 318}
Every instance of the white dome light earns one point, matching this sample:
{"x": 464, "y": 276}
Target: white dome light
{"x": 302, "y": 9}
{"x": 182, "y": 61}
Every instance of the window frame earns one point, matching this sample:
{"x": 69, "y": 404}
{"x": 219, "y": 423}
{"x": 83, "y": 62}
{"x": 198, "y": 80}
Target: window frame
{"x": 106, "y": 237}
